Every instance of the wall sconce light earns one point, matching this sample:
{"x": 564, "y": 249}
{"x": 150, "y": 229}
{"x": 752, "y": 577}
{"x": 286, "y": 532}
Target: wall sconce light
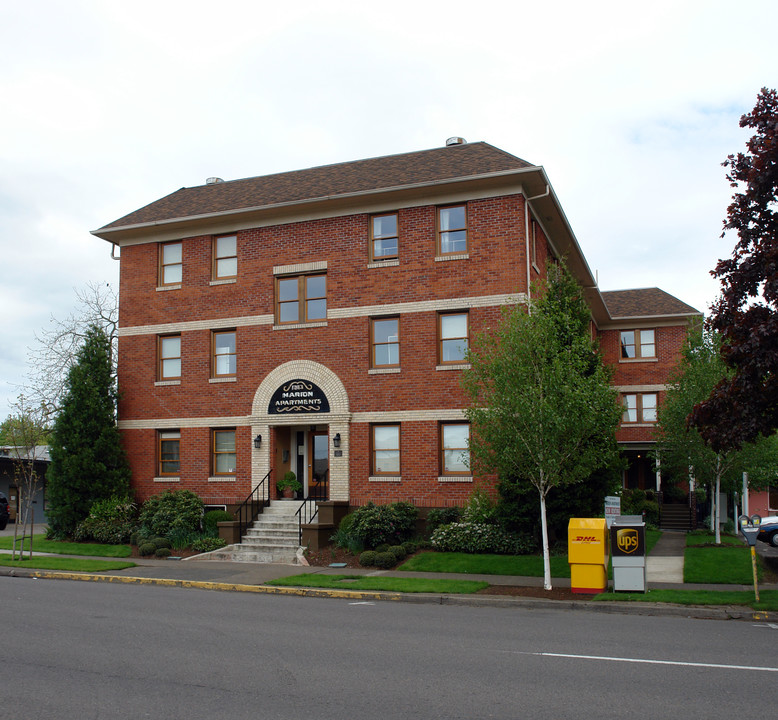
{"x": 336, "y": 440}
{"x": 257, "y": 441}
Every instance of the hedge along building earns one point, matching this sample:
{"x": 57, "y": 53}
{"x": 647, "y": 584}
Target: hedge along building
{"x": 316, "y": 321}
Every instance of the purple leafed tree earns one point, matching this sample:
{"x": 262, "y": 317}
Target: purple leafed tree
{"x": 745, "y": 405}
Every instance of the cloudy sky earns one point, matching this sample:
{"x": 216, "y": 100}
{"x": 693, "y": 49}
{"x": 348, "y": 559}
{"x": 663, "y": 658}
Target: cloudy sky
{"x": 107, "y": 106}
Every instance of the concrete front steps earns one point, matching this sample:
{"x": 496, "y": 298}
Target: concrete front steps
{"x": 675, "y": 517}
{"x": 274, "y": 536}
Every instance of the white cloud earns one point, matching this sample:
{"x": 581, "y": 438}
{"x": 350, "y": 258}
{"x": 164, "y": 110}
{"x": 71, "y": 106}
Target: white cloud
{"x": 630, "y": 108}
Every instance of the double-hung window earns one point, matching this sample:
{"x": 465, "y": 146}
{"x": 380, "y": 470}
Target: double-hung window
{"x": 225, "y": 257}
{"x": 385, "y": 450}
{"x": 169, "y": 357}
{"x": 383, "y": 237}
{"x": 170, "y": 264}
{"x": 301, "y": 298}
{"x": 385, "y": 340}
{"x": 224, "y": 354}
{"x": 169, "y": 452}
{"x": 452, "y": 230}
{"x": 454, "y": 451}
{"x": 638, "y": 344}
{"x": 452, "y": 337}
{"x": 639, "y": 408}
{"x": 224, "y": 458}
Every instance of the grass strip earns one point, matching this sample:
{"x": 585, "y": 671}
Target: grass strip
{"x": 768, "y": 598}
{"x": 40, "y": 544}
{"x": 706, "y": 538}
{"x": 718, "y": 564}
{"x": 383, "y": 583}
{"x": 46, "y": 562}
{"x": 475, "y": 564}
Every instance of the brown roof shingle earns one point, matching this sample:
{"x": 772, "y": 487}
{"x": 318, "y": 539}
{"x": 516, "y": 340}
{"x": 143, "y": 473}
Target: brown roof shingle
{"x": 644, "y": 302}
{"x": 425, "y": 166}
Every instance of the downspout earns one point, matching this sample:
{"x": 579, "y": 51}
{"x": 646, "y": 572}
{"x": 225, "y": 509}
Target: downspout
{"x": 113, "y": 249}
{"x": 526, "y": 238}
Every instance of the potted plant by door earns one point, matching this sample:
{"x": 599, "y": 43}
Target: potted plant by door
{"x": 288, "y": 485}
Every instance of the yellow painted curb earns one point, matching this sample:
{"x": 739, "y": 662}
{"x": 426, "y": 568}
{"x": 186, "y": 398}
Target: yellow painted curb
{"x": 231, "y": 587}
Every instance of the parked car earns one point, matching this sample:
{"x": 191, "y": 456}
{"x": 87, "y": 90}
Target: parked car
{"x": 768, "y": 530}
{"x": 4, "y": 514}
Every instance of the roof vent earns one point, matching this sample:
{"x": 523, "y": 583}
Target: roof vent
{"x": 455, "y": 141}
{"x": 213, "y": 181}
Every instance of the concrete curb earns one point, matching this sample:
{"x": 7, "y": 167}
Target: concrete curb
{"x": 701, "y": 612}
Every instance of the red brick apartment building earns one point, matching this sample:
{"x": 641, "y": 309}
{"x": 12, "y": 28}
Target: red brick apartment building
{"x": 317, "y": 320}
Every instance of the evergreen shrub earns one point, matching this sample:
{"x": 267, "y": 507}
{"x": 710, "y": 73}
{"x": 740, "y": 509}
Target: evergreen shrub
{"x": 480, "y": 538}
{"x": 147, "y": 548}
{"x": 174, "y": 510}
{"x": 367, "y": 558}
{"x": 385, "y": 560}
{"x": 442, "y": 516}
{"x": 208, "y": 544}
{"x": 375, "y": 525}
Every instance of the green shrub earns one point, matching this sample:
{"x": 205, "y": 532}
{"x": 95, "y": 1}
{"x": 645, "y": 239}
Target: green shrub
{"x": 134, "y": 538}
{"x": 110, "y": 521}
{"x": 480, "y": 508}
{"x": 147, "y": 548}
{"x": 162, "y": 552}
{"x": 174, "y": 510}
{"x": 399, "y": 552}
{"x": 161, "y": 542}
{"x": 410, "y": 547}
{"x": 479, "y": 538}
{"x": 208, "y": 544}
{"x": 180, "y": 539}
{"x": 640, "y": 502}
{"x": 367, "y": 558}
{"x": 385, "y": 560}
{"x": 375, "y": 525}
{"x": 383, "y": 547}
{"x": 211, "y": 521}
{"x": 442, "y": 516}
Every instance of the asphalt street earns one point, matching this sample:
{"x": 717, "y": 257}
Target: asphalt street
{"x": 118, "y": 651}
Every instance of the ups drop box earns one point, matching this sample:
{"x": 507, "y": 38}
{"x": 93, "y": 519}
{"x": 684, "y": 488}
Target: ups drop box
{"x": 628, "y": 552}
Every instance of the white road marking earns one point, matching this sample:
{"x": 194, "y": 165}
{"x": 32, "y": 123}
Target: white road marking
{"x": 646, "y": 661}
{"x": 362, "y": 602}
{"x": 772, "y": 626}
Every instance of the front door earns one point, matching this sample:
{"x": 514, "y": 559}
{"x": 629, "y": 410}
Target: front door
{"x": 318, "y": 466}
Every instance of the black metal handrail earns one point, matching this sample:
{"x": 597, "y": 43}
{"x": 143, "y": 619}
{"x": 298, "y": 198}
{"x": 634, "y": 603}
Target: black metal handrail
{"x": 249, "y": 511}
{"x": 309, "y": 507}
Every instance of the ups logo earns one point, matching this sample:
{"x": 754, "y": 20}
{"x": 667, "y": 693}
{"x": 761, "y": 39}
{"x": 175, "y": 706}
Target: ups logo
{"x": 627, "y": 540}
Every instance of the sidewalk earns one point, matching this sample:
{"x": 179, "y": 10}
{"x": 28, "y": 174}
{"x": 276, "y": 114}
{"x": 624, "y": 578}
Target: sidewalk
{"x": 664, "y": 569}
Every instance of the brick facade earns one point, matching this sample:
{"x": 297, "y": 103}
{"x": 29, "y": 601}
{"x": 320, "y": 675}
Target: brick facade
{"x": 512, "y": 230}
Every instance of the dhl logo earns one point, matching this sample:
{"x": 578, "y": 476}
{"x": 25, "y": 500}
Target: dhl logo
{"x": 585, "y": 538}
{"x": 627, "y": 540}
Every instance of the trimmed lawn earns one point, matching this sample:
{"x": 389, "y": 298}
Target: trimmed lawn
{"x": 46, "y": 562}
{"x": 474, "y": 564}
{"x": 719, "y": 564}
{"x": 382, "y": 583}
{"x": 768, "y": 598}
{"x": 40, "y": 544}
{"x": 707, "y": 538}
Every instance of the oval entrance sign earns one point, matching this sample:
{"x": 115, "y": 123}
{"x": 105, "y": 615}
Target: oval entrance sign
{"x": 298, "y": 397}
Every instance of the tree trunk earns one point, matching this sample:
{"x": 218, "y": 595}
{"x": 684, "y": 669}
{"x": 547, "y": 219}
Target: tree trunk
{"x": 546, "y": 556}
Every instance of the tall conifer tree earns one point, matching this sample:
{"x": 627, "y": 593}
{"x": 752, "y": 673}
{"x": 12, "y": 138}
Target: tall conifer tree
{"x": 87, "y": 459}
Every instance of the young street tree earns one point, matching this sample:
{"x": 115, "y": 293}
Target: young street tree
{"x": 25, "y": 435}
{"x": 542, "y": 411}
{"x": 745, "y": 403}
{"x": 683, "y": 449}
{"x": 87, "y": 460}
